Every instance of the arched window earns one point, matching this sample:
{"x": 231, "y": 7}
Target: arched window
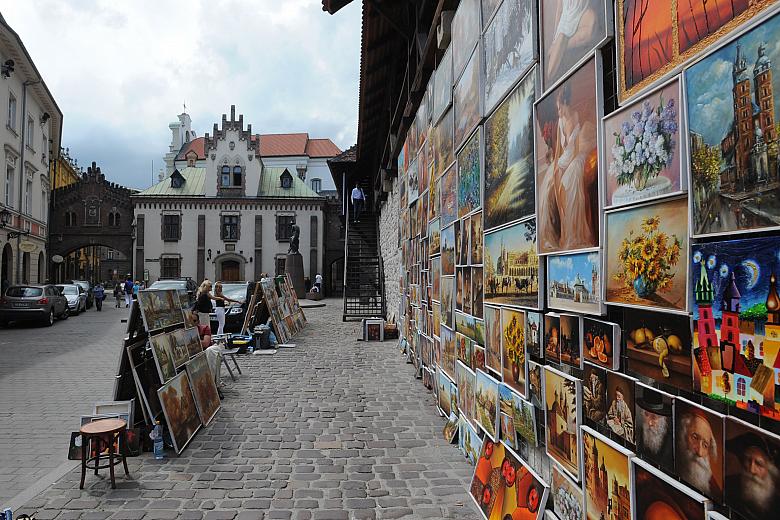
{"x": 111, "y": 219}
{"x": 116, "y": 219}
{"x": 225, "y": 180}
{"x": 238, "y": 174}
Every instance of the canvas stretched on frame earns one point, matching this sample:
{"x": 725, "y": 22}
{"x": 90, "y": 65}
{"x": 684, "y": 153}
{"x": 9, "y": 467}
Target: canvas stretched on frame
{"x": 563, "y": 419}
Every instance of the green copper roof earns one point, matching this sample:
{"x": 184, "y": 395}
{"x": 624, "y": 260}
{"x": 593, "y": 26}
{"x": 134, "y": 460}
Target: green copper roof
{"x": 271, "y": 185}
{"x": 195, "y": 179}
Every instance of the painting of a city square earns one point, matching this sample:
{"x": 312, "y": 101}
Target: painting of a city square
{"x": 607, "y": 478}
{"x": 511, "y": 266}
{"x": 736, "y": 311}
{"x": 733, "y": 150}
{"x": 574, "y": 282}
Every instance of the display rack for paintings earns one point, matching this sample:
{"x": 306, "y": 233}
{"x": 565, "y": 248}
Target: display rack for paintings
{"x": 283, "y": 306}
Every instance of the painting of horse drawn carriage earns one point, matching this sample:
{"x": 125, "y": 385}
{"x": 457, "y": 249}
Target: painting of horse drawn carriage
{"x": 511, "y": 266}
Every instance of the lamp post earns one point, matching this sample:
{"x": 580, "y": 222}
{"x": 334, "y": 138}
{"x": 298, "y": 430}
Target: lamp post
{"x": 5, "y": 220}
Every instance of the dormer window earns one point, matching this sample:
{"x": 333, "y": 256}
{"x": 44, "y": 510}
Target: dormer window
{"x": 177, "y": 179}
{"x": 286, "y": 180}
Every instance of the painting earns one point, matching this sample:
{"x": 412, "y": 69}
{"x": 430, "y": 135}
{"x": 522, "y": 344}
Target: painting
{"x": 658, "y": 346}
{"x": 752, "y": 462}
{"x": 493, "y": 338}
{"x": 511, "y": 266}
{"x": 466, "y": 379}
{"x": 567, "y": 496}
{"x": 477, "y": 292}
{"x": 524, "y": 417}
{"x": 647, "y": 256}
{"x": 601, "y": 343}
{"x": 448, "y": 250}
{"x": 567, "y": 160}
{"x": 462, "y": 245}
{"x": 478, "y": 359}
{"x": 203, "y": 387}
{"x": 486, "y": 397}
{"x": 465, "y": 31}
{"x": 469, "y": 441}
{"x": 654, "y": 39}
{"x": 569, "y": 340}
{"x": 698, "y": 450}
{"x": 736, "y": 312}
{"x": 509, "y": 157}
{"x": 470, "y": 176}
{"x": 535, "y": 375}
{"x": 447, "y": 394}
{"x": 449, "y": 197}
{"x": 509, "y": 48}
{"x": 466, "y": 100}
{"x": 574, "y": 282}
{"x": 552, "y": 337}
{"x": 506, "y": 415}
{"x": 443, "y": 145}
{"x": 192, "y": 340}
{"x": 163, "y": 357}
{"x": 413, "y": 182}
{"x": 470, "y": 326}
{"x": 459, "y": 293}
{"x": 464, "y": 347}
{"x": 658, "y": 494}
{"x": 620, "y": 414}
{"x": 178, "y": 340}
{"x": 570, "y": 32}
{"x": 433, "y": 200}
{"x": 594, "y": 395}
{"x": 442, "y": 86}
{"x": 607, "y": 478}
{"x": 450, "y": 430}
{"x": 562, "y": 397}
{"x": 160, "y": 309}
{"x": 533, "y": 333}
{"x": 436, "y": 279}
{"x": 513, "y": 365}
{"x": 654, "y": 429}
{"x": 476, "y": 239}
{"x": 181, "y": 412}
{"x": 448, "y": 351}
{"x": 643, "y": 150}
{"x": 434, "y": 238}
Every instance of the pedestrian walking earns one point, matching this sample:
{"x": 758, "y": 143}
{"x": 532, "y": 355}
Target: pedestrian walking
{"x": 136, "y": 288}
{"x": 128, "y": 291}
{"x": 203, "y": 305}
{"x": 100, "y": 294}
{"x": 358, "y": 201}
{"x": 318, "y": 282}
{"x": 118, "y": 293}
{"x": 220, "y": 299}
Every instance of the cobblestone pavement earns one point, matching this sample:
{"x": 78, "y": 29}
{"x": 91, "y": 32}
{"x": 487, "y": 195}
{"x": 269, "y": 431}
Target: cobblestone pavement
{"x": 49, "y": 376}
{"x": 331, "y": 429}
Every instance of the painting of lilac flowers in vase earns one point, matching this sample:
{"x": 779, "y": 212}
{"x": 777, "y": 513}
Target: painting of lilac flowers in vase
{"x": 642, "y": 147}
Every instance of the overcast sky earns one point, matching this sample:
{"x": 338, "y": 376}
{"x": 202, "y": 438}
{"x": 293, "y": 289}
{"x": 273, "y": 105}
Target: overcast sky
{"x": 121, "y": 70}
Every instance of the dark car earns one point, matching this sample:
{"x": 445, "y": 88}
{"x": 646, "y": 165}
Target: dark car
{"x": 41, "y": 303}
{"x": 87, "y": 289}
{"x": 234, "y": 312}
{"x": 183, "y": 285}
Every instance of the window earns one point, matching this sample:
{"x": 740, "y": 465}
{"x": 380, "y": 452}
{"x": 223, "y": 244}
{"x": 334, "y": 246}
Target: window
{"x": 110, "y": 219}
{"x": 44, "y": 205}
{"x": 70, "y": 219}
{"x": 238, "y": 174}
{"x": 230, "y": 227}
{"x": 286, "y": 181}
{"x": 741, "y": 387}
{"x": 284, "y": 224}
{"x": 316, "y": 185}
{"x": 28, "y": 198}
{"x": 225, "y": 181}
{"x": 44, "y": 148}
{"x": 11, "y": 121}
{"x": 110, "y": 254}
{"x": 9, "y": 186}
{"x": 30, "y": 132}
{"x": 171, "y": 227}
{"x": 116, "y": 220}
{"x": 170, "y": 267}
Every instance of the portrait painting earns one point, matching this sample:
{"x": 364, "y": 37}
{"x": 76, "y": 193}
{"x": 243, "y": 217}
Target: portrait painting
{"x": 486, "y": 397}
{"x": 160, "y": 308}
{"x": 571, "y": 30}
{"x": 509, "y": 157}
{"x": 552, "y": 337}
{"x": 535, "y": 375}
{"x": 477, "y": 292}
{"x": 469, "y": 442}
{"x": 203, "y": 387}
{"x": 511, "y": 267}
{"x": 654, "y": 434}
{"x": 444, "y": 388}
{"x": 647, "y": 256}
{"x": 466, "y": 100}
{"x": 493, "y": 338}
{"x": 567, "y": 162}
{"x": 443, "y": 144}
{"x": 601, "y": 343}
{"x": 620, "y": 411}
{"x": 509, "y": 48}
{"x": 466, "y": 380}
{"x": 465, "y": 30}
{"x": 476, "y": 239}
{"x": 513, "y": 367}
{"x": 442, "y": 86}
{"x": 448, "y": 250}
{"x": 660, "y": 496}
{"x": 533, "y": 333}
{"x": 470, "y": 177}
{"x": 736, "y": 312}
{"x": 642, "y": 148}
{"x": 574, "y": 282}
{"x": 181, "y": 412}
{"x": 448, "y": 351}
{"x": 607, "y": 478}
{"x": 752, "y": 471}
{"x": 654, "y": 38}
{"x": 163, "y": 357}
{"x": 594, "y": 395}
{"x": 698, "y": 452}
{"x": 449, "y": 197}
{"x": 567, "y": 496}
{"x": 658, "y": 346}
{"x": 569, "y": 340}
{"x": 563, "y": 405}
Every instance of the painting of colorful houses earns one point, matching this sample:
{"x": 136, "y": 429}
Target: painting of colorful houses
{"x": 737, "y": 323}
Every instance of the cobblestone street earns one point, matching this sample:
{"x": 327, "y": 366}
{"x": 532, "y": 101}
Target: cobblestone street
{"x": 331, "y": 429}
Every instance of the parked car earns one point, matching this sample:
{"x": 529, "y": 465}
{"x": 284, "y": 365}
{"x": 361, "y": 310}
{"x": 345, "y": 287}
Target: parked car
{"x": 41, "y": 303}
{"x": 76, "y": 296}
{"x": 234, "y": 312}
{"x": 183, "y": 285}
{"x": 87, "y": 289}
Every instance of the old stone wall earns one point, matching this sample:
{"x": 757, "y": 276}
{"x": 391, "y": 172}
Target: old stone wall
{"x": 388, "y": 249}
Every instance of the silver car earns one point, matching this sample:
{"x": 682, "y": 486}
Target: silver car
{"x": 76, "y": 296}
{"x": 42, "y": 303}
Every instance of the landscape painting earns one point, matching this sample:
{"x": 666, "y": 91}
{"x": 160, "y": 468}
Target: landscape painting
{"x": 476, "y": 239}
{"x": 443, "y": 145}
{"x": 449, "y": 197}
{"x": 466, "y": 100}
{"x": 493, "y": 333}
{"x": 734, "y": 156}
{"x": 567, "y": 496}
{"x": 511, "y": 266}
{"x": 160, "y": 309}
{"x": 509, "y": 157}
{"x": 513, "y": 360}
{"x": 574, "y": 282}
{"x": 533, "y": 334}
{"x": 466, "y": 379}
{"x": 204, "y": 389}
{"x": 607, "y": 478}
{"x": 447, "y": 241}
{"x": 447, "y": 301}
{"x": 486, "y": 397}
{"x": 442, "y": 86}
{"x": 163, "y": 357}
{"x": 470, "y": 176}
{"x": 465, "y": 33}
{"x": 647, "y": 256}
{"x": 181, "y": 413}
{"x": 567, "y": 162}
{"x": 468, "y": 440}
{"x": 563, "y": 405}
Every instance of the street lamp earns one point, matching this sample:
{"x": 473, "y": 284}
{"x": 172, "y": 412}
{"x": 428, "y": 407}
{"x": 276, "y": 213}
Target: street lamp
{"x": 5, "y": 219}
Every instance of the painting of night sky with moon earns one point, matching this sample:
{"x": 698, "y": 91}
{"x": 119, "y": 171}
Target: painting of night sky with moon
{"x": 736, "y": 313}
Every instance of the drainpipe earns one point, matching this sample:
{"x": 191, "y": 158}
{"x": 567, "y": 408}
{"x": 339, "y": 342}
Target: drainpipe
{"x": 22, "y": 178}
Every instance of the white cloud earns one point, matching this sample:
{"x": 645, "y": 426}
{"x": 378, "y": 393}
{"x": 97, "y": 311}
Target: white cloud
{"x": 563, "y": 262}
{"x": 120, "y": 71}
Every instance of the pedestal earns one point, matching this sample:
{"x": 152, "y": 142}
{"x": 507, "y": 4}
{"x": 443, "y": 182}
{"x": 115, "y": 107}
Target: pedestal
{"x": 294, "y": 267}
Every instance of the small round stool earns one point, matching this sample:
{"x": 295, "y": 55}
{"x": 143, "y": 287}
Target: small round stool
{"x": 102, "y": 431}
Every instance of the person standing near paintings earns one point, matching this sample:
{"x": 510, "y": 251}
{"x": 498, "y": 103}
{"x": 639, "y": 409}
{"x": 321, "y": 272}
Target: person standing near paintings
{"x": 220, "y": 298}
{"x": 203, "y": 305}
{"x": 358, "y": 201}
{"x": 128, "y": 291}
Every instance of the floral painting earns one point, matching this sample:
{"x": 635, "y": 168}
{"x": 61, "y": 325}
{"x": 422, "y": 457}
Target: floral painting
{"x": 466, "y": 100}
{"x": 470, "y": 176}
{"x": 642, "y": 146}
{"x": 647, "y": 255}
{"x": 511, "y": 266}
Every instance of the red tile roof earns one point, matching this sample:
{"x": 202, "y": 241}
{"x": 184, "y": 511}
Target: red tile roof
{"x": 197, "y": 145}
{"x": 321, "y": 148}
{"x": 275, "y": 145}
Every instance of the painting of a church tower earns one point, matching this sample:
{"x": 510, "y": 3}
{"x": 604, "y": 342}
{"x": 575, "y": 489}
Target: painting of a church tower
{"x": 563, "y": 405}
{"x": 512, "y": 273}
{"x": 607, "y": 478}
{"x": 737, "y": 323}
{"x": 733, "y": 133}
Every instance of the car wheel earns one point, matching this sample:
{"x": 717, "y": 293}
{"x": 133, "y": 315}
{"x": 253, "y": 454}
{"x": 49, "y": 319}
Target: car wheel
{"x": 65, "y": 314}
{"x": 50, "y": 319}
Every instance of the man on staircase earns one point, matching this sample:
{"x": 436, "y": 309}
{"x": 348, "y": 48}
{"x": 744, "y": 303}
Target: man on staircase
{"x": 358, "y": 200}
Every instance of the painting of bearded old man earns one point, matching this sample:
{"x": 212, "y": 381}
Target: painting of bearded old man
{"x": 699, "y": 448}
{"x": 654, "y": 432}
{"x": 752, "y": 471}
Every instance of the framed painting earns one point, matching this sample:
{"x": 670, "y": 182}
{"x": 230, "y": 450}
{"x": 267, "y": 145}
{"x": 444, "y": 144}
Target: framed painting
{"x": 466, "y": 379}
{"x": 509, "y": 45}
{"x": 647, "y": 256}
{"x": 643, "y": 148}
{"x": 192, "y": 340}
{"x": 487, "y": 404}
{"x": 470, "y": 175}
{"x": 436, "y": 279}
{"x": 570, "y": 339}
{"x": 181, "y": 412}
{"x": 656, "y": 492}
{"x": 594, "y": 395}
{"x": 433, "y": 198}
{"x": 535, "y": 378}
{"x": 698, "y": 452}
{"x": 447, "y": 241}
{"x": 447, "y": 301}
{"x": 654, "y": 429}
{"x": 736, "y": 312}
{"x": 620, "y": 412}
{"x": 449, "y": 197}
{"x": 442, "y": 86}
{"x": 567, "y": 163}
{"x": 513, "y": 362}
{"x": 524, "y": 416}
{"x": 443, "y": 144}
{"x": 601, "y": 343}
{"x": 571, "y": 31}
{"x": 552, "y": 337}
{"x": 533, "y": 334}
{"x": 450, "y": 430}
{"x": 178, "y": 340}
{"x": 469, "y": 442}
{"x": 506, "y": 416}
{"x": 477, "y": 292}
{"x": 568, "y": 498}
{"x": 445, "y": 386}
{"x": 459, "y": 293}
{"x": 465, "y": 29}
{"x": 511, "y": 266}
{"x": 160, "y": 309}
{"x": 203, "y": 387}
{"x": 466, "y": 100}
{"x": 574, "y": 282}
{"x": 464, "y": 244}
{"x": 509, "y": 157}
{"x": 654, "y": 38}
{"x": 476, "y": 239}
{"x": 413, "y": 182}
{"x": 563, "y": 407}
{"x": 607, "y": 477}
{"x": 434, "y": 236}
{"x": 163, "y": 357}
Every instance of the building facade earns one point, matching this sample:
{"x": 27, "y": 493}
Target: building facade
{"x": 30, "y": 139}
{"x": 65, "y": 170}
{"x": 226, "y": 211}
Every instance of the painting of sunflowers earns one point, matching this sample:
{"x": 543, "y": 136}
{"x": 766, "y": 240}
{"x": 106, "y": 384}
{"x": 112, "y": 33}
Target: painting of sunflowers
{"x": 647, "y": 255}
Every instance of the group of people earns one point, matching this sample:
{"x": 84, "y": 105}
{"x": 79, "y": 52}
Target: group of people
{"x": 127, "y": 290}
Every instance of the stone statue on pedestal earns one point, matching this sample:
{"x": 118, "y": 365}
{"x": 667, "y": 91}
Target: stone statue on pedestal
{"x": 294, "y": 239}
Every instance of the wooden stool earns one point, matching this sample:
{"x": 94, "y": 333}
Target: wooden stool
{"x": 102, "y": 431}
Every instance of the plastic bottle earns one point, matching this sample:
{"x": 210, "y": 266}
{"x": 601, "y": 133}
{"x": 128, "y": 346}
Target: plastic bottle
{"x": 157, "y": 437}
{"x": 8, "y": 515}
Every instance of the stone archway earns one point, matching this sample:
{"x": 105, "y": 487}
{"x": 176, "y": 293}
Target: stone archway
{"x": 230, "y": 267}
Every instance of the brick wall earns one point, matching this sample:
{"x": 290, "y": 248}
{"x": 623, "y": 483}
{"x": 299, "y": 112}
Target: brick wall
{"x": 388, "y": 248}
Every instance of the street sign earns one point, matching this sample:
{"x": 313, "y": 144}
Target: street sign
{"x": 57, "y": 259}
